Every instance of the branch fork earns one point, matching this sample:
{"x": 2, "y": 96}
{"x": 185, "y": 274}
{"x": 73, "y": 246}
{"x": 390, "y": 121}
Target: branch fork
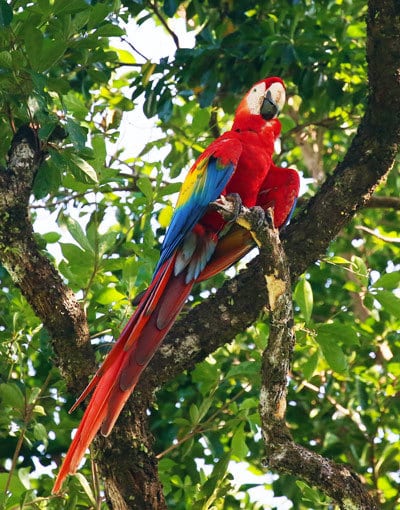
{"x": 282, "y": 453}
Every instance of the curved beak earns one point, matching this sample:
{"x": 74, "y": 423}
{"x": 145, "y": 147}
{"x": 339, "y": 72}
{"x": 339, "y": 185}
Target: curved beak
{"x": 269, "y": 109}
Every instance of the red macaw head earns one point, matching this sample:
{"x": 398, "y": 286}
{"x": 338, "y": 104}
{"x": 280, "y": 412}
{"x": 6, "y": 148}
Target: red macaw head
{"x": 265, "y": 99}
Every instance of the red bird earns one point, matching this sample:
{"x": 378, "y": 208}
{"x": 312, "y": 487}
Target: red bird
{"x": 197, "y": 245}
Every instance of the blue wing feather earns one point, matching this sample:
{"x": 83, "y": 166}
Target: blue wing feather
{"x": 205, "y": 190}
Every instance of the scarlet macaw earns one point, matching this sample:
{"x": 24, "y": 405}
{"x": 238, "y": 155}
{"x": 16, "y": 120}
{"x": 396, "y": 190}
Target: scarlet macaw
{"x": 197, "y": 245}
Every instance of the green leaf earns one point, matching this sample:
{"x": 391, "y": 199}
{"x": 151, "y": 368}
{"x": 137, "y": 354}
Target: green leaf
{"x": 388, "y": 281}
{"x": 69, "y": 6}
{"x": 217, "y": 475}
{"x": 304, "y": 297}
{"x": 24, "y": 476}
{"x": 77, "y": 134}
{"x": 389, "y": 301}
{"x": 75, "y": 104}
{"x": 12, "y": 396}
{"x": 239, "y": 447}
{"x": 342, "y": 333}
{"x": 144, "y": 184}
{"x": 98, "y": 13}
{"x": 78, "y": 234}
{"x": 50, "y": 53}
{"x": 310, "y": 494}
{"x": 40, "y": 433}
{"x": 6, "y": 14}
{"x": 310, "y": 365}
{"x": 51, "y": 237}
{"x": 5, "y": 60}
{"x": 194, "y": 413}
{"x": 165, "y": 215}
{"x": 360, "y": 269}
{"x": 33, "y": 38}
{"x": 86, "y": 487}
{"x": 15, "y": 489}
{"x": 205, "y": 406}
{"x": 170, "y": 7}
{"x": 80, "y": 263}
{"x": 47, "y": 180}
{"x": 333, "y": 353}
{"x": 81, "y": 170}
{"x": 336, "y": 259}
{"x": 164, "y": 109}
{"x": 150, "y": 104}
{"x": 110, "y": 295}
{"x": 249, "y": 369}
{"x": 110, "y": 30}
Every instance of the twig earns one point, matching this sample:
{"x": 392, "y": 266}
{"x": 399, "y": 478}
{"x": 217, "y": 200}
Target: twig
{"x": 156, "y": 11}
{"x": 27, "y": 419}
{"x": 378, "y": 202}
{"x": 213, "y": 122}
{"x": 386, "y": 239}
{"x": 133, "y": 48}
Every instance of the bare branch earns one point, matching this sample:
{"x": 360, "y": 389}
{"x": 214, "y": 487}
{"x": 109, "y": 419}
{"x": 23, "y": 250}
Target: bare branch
{"x": 372, "y": 232}
{"x": 283, "y": 454}
{"x": 156, "y": 11}
{"x": 32, "y": 272}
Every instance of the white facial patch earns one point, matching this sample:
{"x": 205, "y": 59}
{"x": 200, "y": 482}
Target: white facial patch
{"x": 257, "y": 94}
{"x": 278, "y": 94}
{"x": 255, "y": 98}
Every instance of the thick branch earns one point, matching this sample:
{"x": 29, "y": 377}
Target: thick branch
{"x": 127, "y": 461}
{"x": 42, "y": 286}
{"x": 375, "y": 202}
{"x": 240, "y": 300}
{"x": 370, "y": 157}
{"x": 283, "y": 454}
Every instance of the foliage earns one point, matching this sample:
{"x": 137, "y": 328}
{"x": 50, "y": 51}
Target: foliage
{"x": 62, "y": 69}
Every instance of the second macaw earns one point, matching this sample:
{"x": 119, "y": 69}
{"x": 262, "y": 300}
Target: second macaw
{"x": 197, "y": 245}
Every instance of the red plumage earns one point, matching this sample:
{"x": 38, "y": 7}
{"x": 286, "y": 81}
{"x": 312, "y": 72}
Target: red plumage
{"x": 198, "y": 244}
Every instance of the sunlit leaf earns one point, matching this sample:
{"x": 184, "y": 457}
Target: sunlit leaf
{"x": 304, "y": 297}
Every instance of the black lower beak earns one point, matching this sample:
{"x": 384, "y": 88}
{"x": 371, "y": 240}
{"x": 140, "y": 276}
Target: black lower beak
{"x": 269, "y": 108}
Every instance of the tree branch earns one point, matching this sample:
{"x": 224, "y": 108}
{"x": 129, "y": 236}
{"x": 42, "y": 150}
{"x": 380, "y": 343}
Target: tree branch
{"x": 283, "y": 454}
{"x": 53, "y": 302}
{"x": 238, "y": 303}
{"x": 155, "y": 9}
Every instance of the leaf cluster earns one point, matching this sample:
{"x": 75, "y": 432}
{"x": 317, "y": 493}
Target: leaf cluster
{"x": 62, "y": 71}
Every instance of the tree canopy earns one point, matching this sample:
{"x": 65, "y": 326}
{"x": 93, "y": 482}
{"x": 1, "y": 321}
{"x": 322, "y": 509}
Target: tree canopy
{"x": 68, "y": 76}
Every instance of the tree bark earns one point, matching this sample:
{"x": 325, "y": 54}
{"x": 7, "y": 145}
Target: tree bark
{"x": 52, "y": 301}
{"x": 282, "y": 453}
{"x": 236, "y": 305}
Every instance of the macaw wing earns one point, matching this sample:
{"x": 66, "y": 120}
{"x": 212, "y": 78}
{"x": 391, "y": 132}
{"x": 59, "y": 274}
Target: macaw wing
{"x": 204, "y": 183}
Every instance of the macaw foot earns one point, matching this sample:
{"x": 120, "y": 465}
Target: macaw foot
{"x": 258, "y": 217}
{"x": 236, "y": 204}
{"x": 269, "y": 217}
{"x": 229, "y": 206}
{"x": 255, "y": 220}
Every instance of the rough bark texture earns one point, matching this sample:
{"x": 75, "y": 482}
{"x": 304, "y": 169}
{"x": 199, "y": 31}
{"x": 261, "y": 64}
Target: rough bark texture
{"x": 127, "y": 461}
{"x": 53, "y": 302}
{"x": 130, "y": 471}
{"x": 283, "y": 454}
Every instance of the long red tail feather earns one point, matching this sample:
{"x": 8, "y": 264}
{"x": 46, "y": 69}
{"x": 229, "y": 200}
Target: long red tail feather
{"x": 117, "y": 377}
